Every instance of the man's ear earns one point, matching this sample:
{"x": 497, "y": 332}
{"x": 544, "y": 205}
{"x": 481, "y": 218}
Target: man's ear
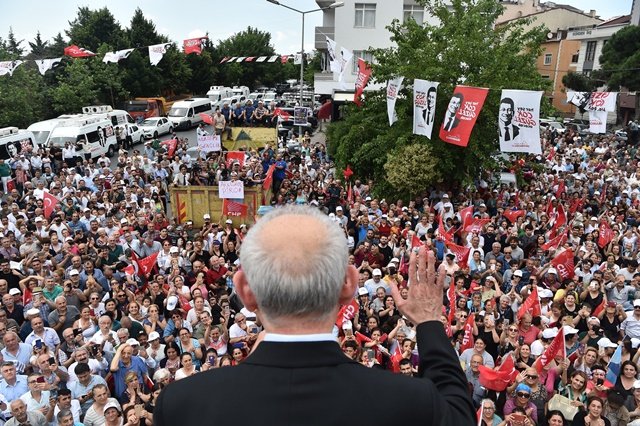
{"x": 244, "y": 291}
{"x": 350, "y": 285}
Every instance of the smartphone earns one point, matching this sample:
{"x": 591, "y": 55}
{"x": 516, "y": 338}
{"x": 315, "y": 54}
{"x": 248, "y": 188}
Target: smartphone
{"x": 92, "y": 312}
{"x": 38, "y": 344}
{"x": 599, "y": 382}
{"x": 254, "y": 330}
{"x": 212, "y": 359}
{"x": 518, "y": 419}
{"x": 76, "y": 332}
{"x": 40, "y": 379}
{"x": 520, "y": 340}
{"x": 138, "y": 410}
{"x": 506, "y": 322}
{"x": 371, "y": 354}
{"x": 52, "y": 361}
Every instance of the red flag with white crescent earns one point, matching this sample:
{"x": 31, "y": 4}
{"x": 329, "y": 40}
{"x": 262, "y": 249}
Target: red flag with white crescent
{"x": 466, "y": 215}
{"x": 50, "y": 202}
{"x": 77, "y": 52}
{"x": 206, "y": 118}
{"x": 476, "y": 225}
{"x": 555, "y": 242}
{"x": 146, "y": 265}
{"x": 443, "y": 233}
{"x": 513, "y": 215}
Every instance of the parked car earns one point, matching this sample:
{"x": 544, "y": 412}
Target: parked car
{"x": 156, "y": 126}
{"x": 135, "y": 134}
{"x": 548, "y": 124}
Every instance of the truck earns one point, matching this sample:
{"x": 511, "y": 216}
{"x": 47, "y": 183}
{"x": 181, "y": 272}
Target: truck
{"x": 143, "y": 108}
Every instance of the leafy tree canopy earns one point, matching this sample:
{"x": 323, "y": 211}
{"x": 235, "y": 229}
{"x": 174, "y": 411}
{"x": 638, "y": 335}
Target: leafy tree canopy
{"x": 620, "y": 59}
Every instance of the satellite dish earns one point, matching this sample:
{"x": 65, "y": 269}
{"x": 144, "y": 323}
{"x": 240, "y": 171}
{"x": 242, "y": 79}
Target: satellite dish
{"x": 549, "y": 35}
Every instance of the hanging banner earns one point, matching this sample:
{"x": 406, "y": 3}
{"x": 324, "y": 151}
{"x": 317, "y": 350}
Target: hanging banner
{"x": 209, "y": 143}
{"x": 519, "y": 121}
{"x": 393, "y": 87}
{"x": 115, "y": 57}
{"x": 461, "y": 115}
{"x": 424, "y": 106}
{"x": 599, "y": 104}
{"x": 297, "y": 59}
{"x": 193, "y": 45}
{"x": 77, "y": 52}
{"x": 345, "y": 58}
{"x": 579, "y": 99}
{"x": 331, "y": 48}
{"x": 231, "y": 189}
{"x": 8, "y": 67}
{"x": 156, "y": 52}
{"x": 45, "y": 65}
{"x": 300, "y": 115}
{"x": 364, "y": 73}
{"x": 598, "y": 121}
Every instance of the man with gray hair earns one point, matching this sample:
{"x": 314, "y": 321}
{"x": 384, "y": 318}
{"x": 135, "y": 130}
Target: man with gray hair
{"x": 295, "y": 275}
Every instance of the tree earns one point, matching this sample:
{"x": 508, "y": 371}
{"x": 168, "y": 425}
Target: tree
{"x": 39, "y": 48}
{"x": 76, "y": 88}
{"x": 620, "y": 59}
{"x": 578, "y": 82}
{"x": 13, "y": 46}
{"x": 22, "y": 97}
{"x": 142, "y": 32}
{"x": 56, "y": 48}
{"x": 464, "y": 46}
{"x": 91, "y": 28}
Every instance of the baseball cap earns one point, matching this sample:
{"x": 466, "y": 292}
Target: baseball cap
{"x": 636, "y": 302}
{"x": 112, "y": 405}
{"x": 378, "y": 272}
{"x": 206, "y": 216}
{"x": 174, "y": 249}
{"x": 552, "y": 271}
{"x": 606, "y": 343}
{"x": 132, "y": 342}
{"x": 14, "y": 292}
{"x": 153, "y": 336}
{"x": 549, "y": 333}
{"x": 228, "y": 221}
{"x": 569, "y": 330}
{"x": 363, "y": 291}
{"x": 74, "y": 272}
{"x": 339, "y": 209}
{"x": 172, "y": 302}
{"x": 518, "y": 273}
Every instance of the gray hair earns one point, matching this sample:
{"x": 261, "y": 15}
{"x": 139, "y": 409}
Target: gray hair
{"x": 62, "y": 414}
{"x": 162, "y": 373}
{"x": 304, "y": 283}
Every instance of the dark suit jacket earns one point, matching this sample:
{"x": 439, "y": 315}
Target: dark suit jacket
{"x": 314, "y": 383}
{"x": 455, "y": 123}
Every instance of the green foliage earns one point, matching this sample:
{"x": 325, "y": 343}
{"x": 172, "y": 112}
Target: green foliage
{"x": 76, "y": 88}
{"x": 56, "y": 48}
{"x": 463, "y": 47}
{"x": 92, "y": 28}
{"x": 203, "y": 72}
{"x": 39, "y": 48}
{"x": 620, "y": 59}
{"x": 412, "y": 167}
{"x": 21, "y": 97}
{"x": 578, "y": 82}
{"x": 13, "y": 46}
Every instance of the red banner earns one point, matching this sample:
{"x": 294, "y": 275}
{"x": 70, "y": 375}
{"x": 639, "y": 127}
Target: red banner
{"x": 461, "y": 253}
{"x": 171, "y": 146}
{"x": 50, "y": 202}
{"x": 555, "y": 243}
{"x": 268, "y": 180}
{"x": 206, "y": 118}
{"x": 531, "y": 304}
{"x": 346, "y": 313}
{"x": 146, "y": 265}
{"x": 193, "y": 45}
{"x": 564, "y": 264}
{"x": 278, "y": 112}
{"x": 235, "y": 156}
{"x": 606, "y": 234}
{"x": 561, "y": 219}
{"x": 462, "y": 113}
{"x": 561, "y": 188}
{"x": 451, "y": 295}
{"x": 556, "y": 347}
{"x": 466, "y": 215}
{"x": 476, "y": 225}
{"x": 77, "y": 52}
{"x": 447, "y": 236}
{"x": 233, "y": 208}
{"x": 513, "y": 215}
{"x": 498, "y": 379}
{"x": 467, "y": 339}
{"x": 364, "y": 73}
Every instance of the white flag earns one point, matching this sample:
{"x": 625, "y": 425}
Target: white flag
{"x": 600, "y": 103}
{"x": 598, "y": 121}
{"x": 393, "y": 87}
{"x": 345, "y": 59}
{"x": 261, "y": 59}
{"x": 8, "y": 67}
{"x": 273, "y": 58}
{"x": 297, "y": 59}
{"x": 45, "y": 65}
{"x": 519, "y": 121}
{"x": 156, "y": 52}
{"x": 115, "y": 57}
{"x": 424, "y": 106}
{"x": 241, "y": 58}
{"x": 331, "y": 48}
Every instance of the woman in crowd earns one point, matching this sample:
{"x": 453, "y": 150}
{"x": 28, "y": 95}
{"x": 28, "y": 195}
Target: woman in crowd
{"x": 627, "y": 378}
{"x": 188, "y": 367}
{"x": 593, "y": 416}
{"x": 171, "y": 359}
{"x": 522, "y": 399}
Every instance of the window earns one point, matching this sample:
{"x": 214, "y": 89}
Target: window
{"x": 591, "y": 51}
{"x": 414, "y": 12}
{"x": 547, "y": 58}
{"x": 367, "y": 56}
{"x": 365, "y": 15}
{"x": 574, "y": 58}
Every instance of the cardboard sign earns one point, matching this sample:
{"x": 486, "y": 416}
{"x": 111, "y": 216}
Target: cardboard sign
{"x": 209, "y": 143}
{"x": 231, "y": 189}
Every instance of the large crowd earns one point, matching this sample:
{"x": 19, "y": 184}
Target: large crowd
{"x": 87, "y": 335}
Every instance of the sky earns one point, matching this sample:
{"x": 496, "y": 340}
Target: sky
{"x": 220, "y": 18}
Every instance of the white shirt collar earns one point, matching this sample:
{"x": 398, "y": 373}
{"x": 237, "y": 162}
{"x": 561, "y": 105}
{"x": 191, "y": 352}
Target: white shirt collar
{"x": 319, "y": 337}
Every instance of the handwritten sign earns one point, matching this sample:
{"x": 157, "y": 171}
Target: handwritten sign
{"x": 209, "y": 143}
{"x": 231, "y": 189}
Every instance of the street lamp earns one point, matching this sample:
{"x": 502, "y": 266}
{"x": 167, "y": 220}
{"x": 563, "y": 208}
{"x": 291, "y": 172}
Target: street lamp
{"x": 333, "y": 5}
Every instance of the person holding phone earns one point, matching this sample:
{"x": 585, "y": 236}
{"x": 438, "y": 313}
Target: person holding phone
{"x": 37, "y": 398}
{"x": 521, "y": 401}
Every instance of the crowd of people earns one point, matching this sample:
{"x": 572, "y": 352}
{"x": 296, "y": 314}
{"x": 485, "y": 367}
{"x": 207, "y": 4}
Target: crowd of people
{"x": 89, "y": 336}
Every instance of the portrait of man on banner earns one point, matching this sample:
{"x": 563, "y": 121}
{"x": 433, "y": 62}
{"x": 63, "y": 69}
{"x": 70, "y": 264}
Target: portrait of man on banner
{"x": 509, "y": 132}
{"x": 451, "y": 120}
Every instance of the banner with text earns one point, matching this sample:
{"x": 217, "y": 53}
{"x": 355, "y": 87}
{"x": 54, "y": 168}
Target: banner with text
{"x": 600, "y": 103}
{"x": 364, "y": 73}
{"x": 424, "y": 106}
{"x": 519, "y": 121}
{"x": 231, "y": 189}
{"x": 461, "y": 115}
{"x": 393, "y": 87}
{"x": 208, "y": 143}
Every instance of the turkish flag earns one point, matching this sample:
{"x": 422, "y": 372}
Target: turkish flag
{"x": 576, "y": 204}
{"x": 279, "y": 112}
{"x": 599, "y": 308}
{"x": 171, "y": 146}
{"x": 555, "y": 243}
{"x": 233, "y": 208}
{"x": 461, "y": 253}
{"x": 77, "y": 52}
{"x": 284, "y": 58}
{"x": 513, "y": 215}
{"x": 347, "y": 173}
{"x": 235, "y": 156}
{"x": 11, "y": 185}
{"x": 466, "y": 104}
{"x": 467, "y": 340}
{"x": 564, "y": 264}
{"x": 206, "y": 118}
{"x": 561, "y": 220}
{"x": 606, "y": 234}
{"x": 415, "y": 241}
{"x": 498, "y": 379}
{"x": 50, "y": 202}
{"x": 268, "y": 180}
{"x": 561, "y": 188}
{"x": 146, "y": 265}
{"x": 476, "y": 225}
{"x": 347, "y": 313}
{"x": 531, "y": 304}
{"x": 556, "y": 347}
{"x": 549, "y": 209}
{"x": 364, "y": 74}
{"x": 193, "y": 45}
{"x": 466, "y": 215}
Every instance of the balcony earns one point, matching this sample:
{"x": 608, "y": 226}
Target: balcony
{"x": 321, "y": 34}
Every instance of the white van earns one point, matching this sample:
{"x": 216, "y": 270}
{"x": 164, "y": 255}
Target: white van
{"x": 97, "y": 132}
{"x": 119, "y": 117}
{"x": 242, "y": 91}
{"x": 14, "y": 141}
{"x": 185, "y": 114}
{"x": 42, "y": 130}
{"x": 218, "y": 93}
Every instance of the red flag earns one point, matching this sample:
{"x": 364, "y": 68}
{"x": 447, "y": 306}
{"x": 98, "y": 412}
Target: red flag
{"x": 193, "y": 45}
{"x": 555, "y": 243}
{"x": 549, "y": 209}
{"x": 476, "y": 225}
{"x": 11, "y": 185}
{"x": 562, "y": 216}
{"x": 225, "y": 59}
{"x": 461, "y": 253}
{"x": 561, "y": 188}
{"x": 513, "y": 215}
{"x": 556, "y": 347}
{"x": 599, "y": 308}
{"x": 466, "y": 215}
{"x": 347, "y": 173}
{"x": 146, "y": 265}
{"x": 531, "y": 304}
{"x": 552, "y": 153}
{"x": 479, "y": 414}
{"x": 403, "y": 268}
{"x": 235, "y": 156}
{"x": 278, "y": 112}
{"x": 500, "y": 378}
{"x": 347, "y": 313}
{"x": 129, "y": 270}
{"x": 250, "y": 59}
{"x": 171, "y": 146}
{"x": 606, "y": 234}
{"x": 451, "y": 296}
{"x": 415, "y": 241}
{"x": 268, "y": 180}
{"x": 576, "y": 204}
{"x": 350, "y": 194}
{"x": 284, "y": 58}
{"x": 462, "y": 112}
{"x": 364, "y": 73}
{"x": 564, "y": 264}
{"x": 603, "y": 194}
{"x": 206, "y": 118}
{"x": 77, "y": 52}
{"x": 233, "y": 208}
{"x": 467, "y": 340}
{"x": 444, "y": 234}
{"x": 50, "y": 202}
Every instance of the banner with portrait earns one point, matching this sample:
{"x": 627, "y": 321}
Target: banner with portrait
{"x": 461, "y": 114}
{"x": 424, "y": 106}
{"x": 393, "y": 87}
{"x": 519, "y": 121}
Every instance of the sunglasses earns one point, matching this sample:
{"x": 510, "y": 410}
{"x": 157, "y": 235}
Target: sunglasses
{"x": 513, "y": 329}
{"x": 522, "y": 395}
{"x": 529, "y": 376}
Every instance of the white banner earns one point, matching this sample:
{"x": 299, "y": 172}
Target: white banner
{"x": 156, "y": 52}
{"x": 345, "y": 59}
{"x": 115, "y": 57}
{"x": 519, "y": 121}
{"x": 231, "y": 189}
{"x": 208, "y": 143}
{"x": 579, "y": 99}
{"x": 8, "y": 67}
{"x": 598, "y": 104}
{"x": 45, "y": 65}
{"x": 331, "y": 48}
{"x": 297, "y": 59}
{"x": 603, "y": 101}
{"x": 393, "y": 87}
{"x": 424, "y": 106}
{"x": 598, "y": 121}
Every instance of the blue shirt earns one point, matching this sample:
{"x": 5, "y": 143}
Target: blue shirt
{"x": 137, "y": 365}
{"x": 78, "y": 389}
{"x": 11, "y": 393}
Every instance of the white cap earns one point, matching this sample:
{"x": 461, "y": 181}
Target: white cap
{"x": 174, "y": 249}
{"x": 606, "y": 343}
{"x": 206, "y": 216}
{"x": 74, "y": 272}
{"x": 593, "y": 319}
{"x": 172, "y": 302}
{"x": 377, "y": 272}
{"x": 394, "y": 259}
{"x": 545, "y": 293}
{"x": 636, "y": 302}
{"x": 132, "y": 342}
{"x": 569, "y": 330}
{"x": 363, "y": 291}
{"x": 112, "y": 405}
{"x": 153, "y": 336}
{"x": 124, "y": 220}
{"x": 228, "y": 221}
{"x": 39, "y": 219}
{"x": 338, "y": 209}
{"x": 14, "y": 292}
{"x": 517, "y": 273}
{"x": 33, "y": 311}
{"x": 549, "y": 333}
{"x": 368, "y": 199}
{"x": 552, "y": 271}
